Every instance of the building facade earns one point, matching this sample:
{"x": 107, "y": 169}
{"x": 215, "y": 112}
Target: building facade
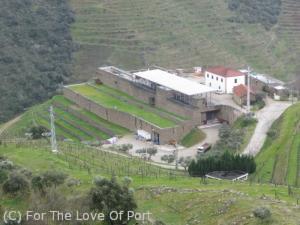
{"x": 223, "y": 79}
{"x": 158, "y": 89}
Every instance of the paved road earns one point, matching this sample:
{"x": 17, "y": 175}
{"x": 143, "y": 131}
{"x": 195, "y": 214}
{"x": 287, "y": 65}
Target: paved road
{"x": 265, "y": 117}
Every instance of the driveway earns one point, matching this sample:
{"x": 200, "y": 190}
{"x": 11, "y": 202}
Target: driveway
{"x": 212, "y": 135}
{"x": 266, "y": 118}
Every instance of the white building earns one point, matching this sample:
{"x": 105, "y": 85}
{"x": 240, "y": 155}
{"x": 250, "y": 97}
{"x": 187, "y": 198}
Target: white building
{"x": 223, "y": 79}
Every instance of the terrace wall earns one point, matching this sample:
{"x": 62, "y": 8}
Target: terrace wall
{"x": 129, "y": 121}
{"x": 124, "y": 85}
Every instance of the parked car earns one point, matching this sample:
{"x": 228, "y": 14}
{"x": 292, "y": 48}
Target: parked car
{"x": 204, "y": 148}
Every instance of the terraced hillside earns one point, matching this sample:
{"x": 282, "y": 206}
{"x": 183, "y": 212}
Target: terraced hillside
{"x": 172, "y": 33}
{"x": 289, "y": 27}
{"x": 279, "y": 160}
{"x": 71, "y": 122}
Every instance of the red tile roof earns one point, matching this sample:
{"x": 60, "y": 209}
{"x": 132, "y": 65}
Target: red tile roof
{"x": 241, "y": 90}
{"x": 224, "y": 71}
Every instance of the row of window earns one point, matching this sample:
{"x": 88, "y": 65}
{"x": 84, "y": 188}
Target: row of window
{"x": 212, "y": 77}
{"x": 217, "y": 78}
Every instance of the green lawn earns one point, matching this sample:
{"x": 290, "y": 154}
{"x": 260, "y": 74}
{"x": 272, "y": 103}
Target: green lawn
{"x": 279, "y": 160}
{"x": 193, "y": 138}
{"x": 125, "y": 96}
{"x": 109, "y": 101}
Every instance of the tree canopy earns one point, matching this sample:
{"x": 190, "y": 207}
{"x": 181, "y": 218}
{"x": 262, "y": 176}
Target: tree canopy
{"x": 35, "y": 52}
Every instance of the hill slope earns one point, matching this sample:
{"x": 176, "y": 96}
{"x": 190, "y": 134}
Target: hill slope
{"x": 279, "y": 159}
{"x": 35, "y": 52}
{"x": 72, "y": 122}
{"x": 174, "y": 200}
{"x": 172, "y": 33}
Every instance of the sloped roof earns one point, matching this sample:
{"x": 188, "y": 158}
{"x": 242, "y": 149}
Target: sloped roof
{"x": 225, "y": 72}
{"x": 241, "y": 90}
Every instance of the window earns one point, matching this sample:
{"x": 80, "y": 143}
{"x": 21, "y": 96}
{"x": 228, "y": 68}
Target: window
{"x": 219, "y": 87}
{"x": 212, "y": 77}
{"x": 222, "y": 80}
{"x": 210, "y": 84}
{"x": 207, "y": 75}
{"x": 235, "y": 81}
{"x": 217, "y": 78}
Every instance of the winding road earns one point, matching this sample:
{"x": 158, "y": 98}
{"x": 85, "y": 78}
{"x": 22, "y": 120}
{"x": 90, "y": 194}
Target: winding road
{"x": 266, "y": 117}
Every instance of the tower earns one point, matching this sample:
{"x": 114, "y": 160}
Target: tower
{"x": 53, "y": 135}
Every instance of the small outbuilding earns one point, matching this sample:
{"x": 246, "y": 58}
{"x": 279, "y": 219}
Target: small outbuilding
{"x": 240, "y": 95}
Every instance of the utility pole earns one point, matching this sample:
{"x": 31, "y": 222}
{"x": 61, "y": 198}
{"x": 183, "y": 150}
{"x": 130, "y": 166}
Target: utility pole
{"x": 248, "y": 91}
{"x": 53, "y": 135}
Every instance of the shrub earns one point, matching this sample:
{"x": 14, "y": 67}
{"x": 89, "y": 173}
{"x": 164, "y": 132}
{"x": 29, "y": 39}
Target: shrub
{"x": 272, "y": 134}
{"x": 109, "y": 195}
{"x": 168, "y": 158}
{"x": 151, "y": 151}
{"x": 262, "y": 213}
{"x": 72, "y": 182}
{"x": 55, "y": 178}
{"x": 37, "y": 132}
{"x": 15, "y": 184}
{"x": 3, "y": 176}
{"x": 247, "y": 121}
{"x": 6, "y": 164}
{"x": 121, "y": 148}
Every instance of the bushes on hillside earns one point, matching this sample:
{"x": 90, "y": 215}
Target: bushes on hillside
{"x": 109, "y": 195}
{"x": 265, "y": 12}
{"x": 230, "y": 140}
{"x": 35, "y": 54}
{"x": 227, "y": 162}
{"x": 37, "y": 131}
{"x": 262, "y": 213}
{"x": 16, "y": 184}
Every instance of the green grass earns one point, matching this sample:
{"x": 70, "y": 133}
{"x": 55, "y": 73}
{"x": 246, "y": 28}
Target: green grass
{"x": 125, "y": 96}
{"x": 193, "y": 138}
{"x": 186, "y": 201}
{"x": 247, "y": 131}
{"x": 67, "y": 125}
{"x": 109, "y": 101}
{"x": 278, "y": 160}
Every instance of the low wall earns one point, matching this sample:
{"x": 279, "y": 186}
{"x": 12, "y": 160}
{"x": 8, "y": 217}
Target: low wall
{"x": 129, "y": 121}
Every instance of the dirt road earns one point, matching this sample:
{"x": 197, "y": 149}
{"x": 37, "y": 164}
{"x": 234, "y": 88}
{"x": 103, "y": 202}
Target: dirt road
{"x": 265, "y": 117}
{"x": 8, "y": 124}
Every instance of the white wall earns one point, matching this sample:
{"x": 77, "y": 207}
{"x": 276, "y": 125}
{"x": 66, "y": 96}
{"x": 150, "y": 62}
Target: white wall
{"x": 234, "y": 81}
{"x": 223, "y": 84}
{"x": 215, "y": 81}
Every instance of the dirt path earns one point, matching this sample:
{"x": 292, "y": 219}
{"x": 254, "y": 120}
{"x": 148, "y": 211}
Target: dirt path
{"x": 8, "y": 124}
{"x": 265, "y": 117}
